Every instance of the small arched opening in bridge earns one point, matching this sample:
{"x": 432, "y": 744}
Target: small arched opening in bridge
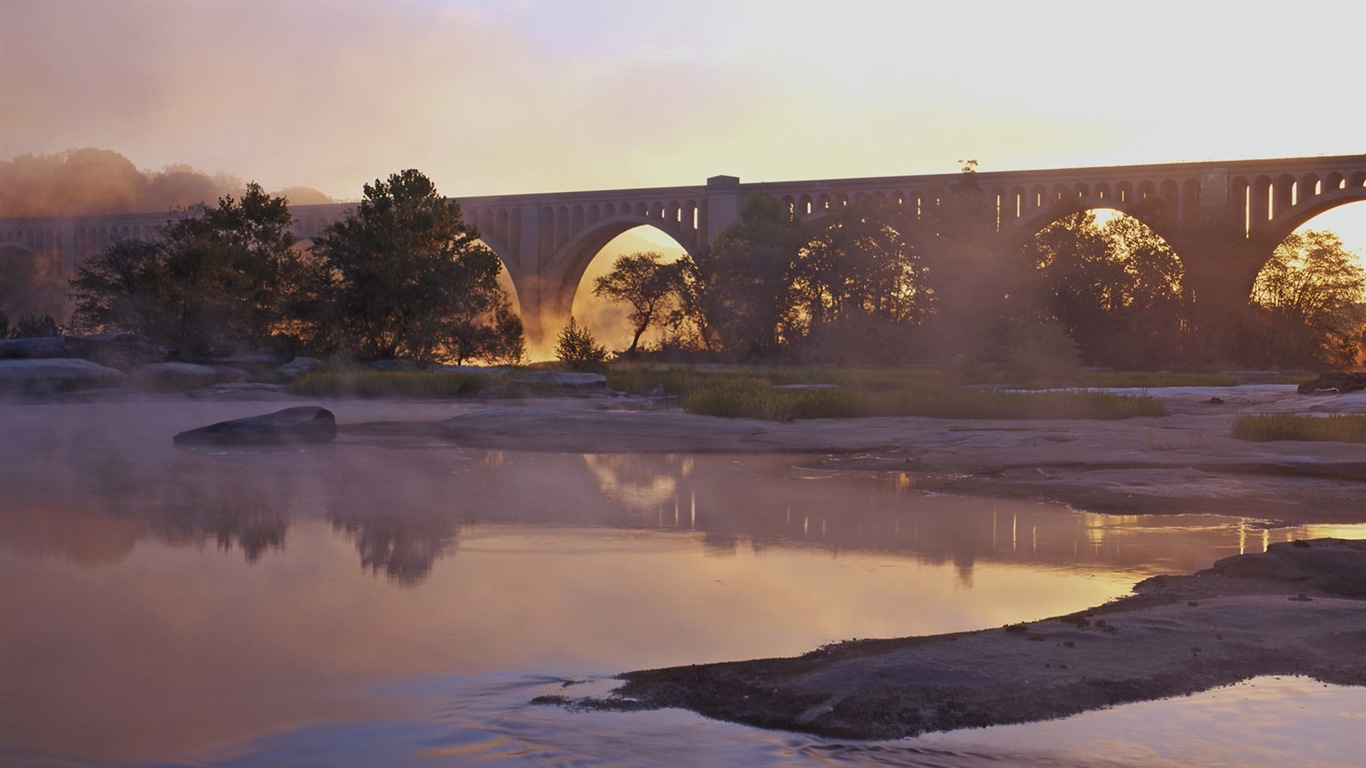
{"x": 1114, "y": 285}
{"x": 608, "y": 320}
{"x": 1309, "y": 298}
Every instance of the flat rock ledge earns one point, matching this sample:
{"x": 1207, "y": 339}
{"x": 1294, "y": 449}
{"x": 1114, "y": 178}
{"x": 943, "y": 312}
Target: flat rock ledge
{"x": 1298, "y": 609}
{"x": 303, "y": 424}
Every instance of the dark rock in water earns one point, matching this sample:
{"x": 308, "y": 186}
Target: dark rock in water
{"x": 1334, "y": 381}
{"x": 304, "y": 424}
{"x": 1337, "y": 566}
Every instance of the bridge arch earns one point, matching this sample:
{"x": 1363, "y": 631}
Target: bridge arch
{"x": 560, "y": 280}
{"x": 1300, "y": 200}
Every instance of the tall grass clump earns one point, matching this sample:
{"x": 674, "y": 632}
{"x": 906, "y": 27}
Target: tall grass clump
{"x": 365, "y": 383}
{"x": 676, "y": 381}
{"x": 1345, "y": 428}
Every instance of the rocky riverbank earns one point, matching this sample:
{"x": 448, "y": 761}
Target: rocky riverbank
{"x": 1298, "y": 609}
{"x": 1186, "y": 462}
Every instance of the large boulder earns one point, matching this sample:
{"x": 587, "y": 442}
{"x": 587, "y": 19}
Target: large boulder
{"x": 35, "y": 348}
{"x": 303, "y": 424}
{"x": 123, "y": 351}
{"x": 175, "y": 377}
{"x": 565, "y": 381}
{"x": 298, "y": 367}
{"x": 46, "y": 376}
{"x": 1334, "y": 381}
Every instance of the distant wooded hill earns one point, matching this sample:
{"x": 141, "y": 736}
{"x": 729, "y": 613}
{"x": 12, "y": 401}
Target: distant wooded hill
{"x": 88, "y": 182}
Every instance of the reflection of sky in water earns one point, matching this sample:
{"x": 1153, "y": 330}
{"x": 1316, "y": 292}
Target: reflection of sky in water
{"x": 157, "y": 603}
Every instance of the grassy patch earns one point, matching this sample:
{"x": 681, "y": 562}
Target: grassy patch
{"x": 1149, "y": 379}
{"x": 680, "y": 381}
{"x": 754, "y": 398}
{"x": 340, "y": 381}
{"x": 752, "y": 392}
{"x": 1346, "y": 428}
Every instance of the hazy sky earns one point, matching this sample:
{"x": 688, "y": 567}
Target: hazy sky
{"x": 494, "y": 97}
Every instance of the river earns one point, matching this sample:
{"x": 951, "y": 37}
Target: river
{"x": 399, "y": 602}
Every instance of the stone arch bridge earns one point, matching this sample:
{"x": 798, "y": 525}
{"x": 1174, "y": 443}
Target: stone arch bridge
{"x": 1223, "y": 218}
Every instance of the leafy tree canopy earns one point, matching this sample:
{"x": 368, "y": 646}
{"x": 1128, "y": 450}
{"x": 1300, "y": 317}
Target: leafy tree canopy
{"x": 749, "y": 273}
{"x": 643, "y": 281}
{"x": 408, "y": 277}
{"x": 215, "y": 279}
{"x": 1314, "y": 290}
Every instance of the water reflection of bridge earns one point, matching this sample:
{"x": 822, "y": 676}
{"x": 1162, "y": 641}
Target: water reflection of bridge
{"x": 405, "y": 510}
{"x": 1222, "y": 217}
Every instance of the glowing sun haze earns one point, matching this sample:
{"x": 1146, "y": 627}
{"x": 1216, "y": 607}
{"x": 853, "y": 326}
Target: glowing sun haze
{"x": 491, "y": 97}
{"x": 524, "y": 96}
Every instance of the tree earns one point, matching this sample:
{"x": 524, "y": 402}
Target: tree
{"x": 748, "y": 273}
{"x": 215, "y": 279}
{"x": 1312, "y": 283}
{"x": 1154, "y": 321}
{"x": 408, "y": 277}
{"x": 1116, "y": 288}
{"x": 861, "y": 265}
{"x": 975, "y": 287}
{"x": 577, "y": 348}
{"x": 644, "y": 282}
{"x": 686, "y": 325}
{"x": 1082, "y": 276}
{"x": 125, "y": 287}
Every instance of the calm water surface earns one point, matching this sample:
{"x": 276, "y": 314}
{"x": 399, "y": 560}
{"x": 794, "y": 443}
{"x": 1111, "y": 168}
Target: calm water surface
{"x": 399, "y": 602}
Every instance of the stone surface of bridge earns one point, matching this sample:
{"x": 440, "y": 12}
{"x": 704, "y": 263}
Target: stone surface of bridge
{"x": 1223, "y": 218}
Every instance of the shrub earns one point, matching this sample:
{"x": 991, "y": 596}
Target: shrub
{"x": 337, "y": 381}
{"x": 578, "y": 349}
{"x": 1040, "y": 354}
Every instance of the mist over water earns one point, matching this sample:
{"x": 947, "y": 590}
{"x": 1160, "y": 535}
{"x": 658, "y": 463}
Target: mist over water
{"x": 399, "y": 601}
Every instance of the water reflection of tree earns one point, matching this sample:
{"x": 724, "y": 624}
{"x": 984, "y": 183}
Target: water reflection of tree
{"x": 254, "y": 530}
{"x": 192, "y": 508}
{"x": 195, "y": 509}
{"x": 404, "y": 550}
